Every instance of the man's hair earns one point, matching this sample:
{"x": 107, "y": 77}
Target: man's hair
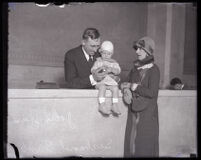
{"x": 91, "y": 33}
{"x": 175, "y": 81}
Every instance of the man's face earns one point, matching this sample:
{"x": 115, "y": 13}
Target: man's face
{"x": 91, "y": 45}
{"x": 178, "y": 86}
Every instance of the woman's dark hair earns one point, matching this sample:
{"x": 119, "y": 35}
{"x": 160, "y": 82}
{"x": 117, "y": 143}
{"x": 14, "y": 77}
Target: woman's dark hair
{"x": 93, "y": 33}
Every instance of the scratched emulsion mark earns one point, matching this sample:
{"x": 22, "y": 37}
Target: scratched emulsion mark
{"x": 70, "y": 122}
{"x": 88, "y": 146}
{"x": 11, "y": 6}
{"x": 47, "y": 146}
{"x": 67, "y": 119}
{"x": 53, "y": 117}
{"x": 41, "y": 148}
{"x": 26, "y": 120}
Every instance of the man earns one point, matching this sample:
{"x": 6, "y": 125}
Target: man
{"x": 176, "y": 84}
{"x": 78, "y": 61}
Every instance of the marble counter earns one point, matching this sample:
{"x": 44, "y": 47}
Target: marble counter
{"x": 66, "y": 122}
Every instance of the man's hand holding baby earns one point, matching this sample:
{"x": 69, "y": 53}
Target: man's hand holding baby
{"x": 99, "y": 74}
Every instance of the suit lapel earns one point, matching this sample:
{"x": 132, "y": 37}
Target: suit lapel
{"x": 83, "y": 60}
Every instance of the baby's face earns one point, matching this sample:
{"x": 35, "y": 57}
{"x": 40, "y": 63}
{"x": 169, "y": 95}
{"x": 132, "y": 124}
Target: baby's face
{"x": 178, "y": 86}
{"x": 106, "y": 54}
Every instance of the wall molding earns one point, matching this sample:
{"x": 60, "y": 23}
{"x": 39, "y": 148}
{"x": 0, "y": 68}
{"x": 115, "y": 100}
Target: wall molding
{"x": 49, "y": 61}
{"x": 36, "y": 60}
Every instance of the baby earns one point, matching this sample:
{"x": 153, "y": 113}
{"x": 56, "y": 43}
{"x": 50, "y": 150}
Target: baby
{"x": 111, "y": 69}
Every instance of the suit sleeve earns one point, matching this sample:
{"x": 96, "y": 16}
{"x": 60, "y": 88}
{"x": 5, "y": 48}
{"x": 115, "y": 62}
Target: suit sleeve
{"x": 153, "y": 85}
{"x": 71, "y": 77}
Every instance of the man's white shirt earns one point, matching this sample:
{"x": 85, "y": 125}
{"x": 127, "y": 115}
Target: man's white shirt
{"x": 93, "y": 82}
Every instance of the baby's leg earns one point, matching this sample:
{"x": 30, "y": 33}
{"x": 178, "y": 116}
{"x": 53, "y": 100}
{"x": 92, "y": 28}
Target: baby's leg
{"x": 102, "y": 91}
{"x": 115, "y": 95}
{"x": 115, "y": 92}
{"x": 101, "y": 97}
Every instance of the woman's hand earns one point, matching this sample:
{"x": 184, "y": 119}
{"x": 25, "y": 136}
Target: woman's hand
{"x": 127, "y": 96}
{"x": 125, "y": 85}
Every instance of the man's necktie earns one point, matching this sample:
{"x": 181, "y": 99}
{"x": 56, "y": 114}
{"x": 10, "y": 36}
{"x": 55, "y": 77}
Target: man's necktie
{"x": 90, "y": 61}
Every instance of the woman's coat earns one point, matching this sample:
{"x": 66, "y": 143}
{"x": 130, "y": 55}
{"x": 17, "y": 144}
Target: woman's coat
{"x": 142, "y": 130}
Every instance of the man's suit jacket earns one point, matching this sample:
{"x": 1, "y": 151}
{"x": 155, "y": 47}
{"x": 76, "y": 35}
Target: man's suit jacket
{"x": 77, "y": 69}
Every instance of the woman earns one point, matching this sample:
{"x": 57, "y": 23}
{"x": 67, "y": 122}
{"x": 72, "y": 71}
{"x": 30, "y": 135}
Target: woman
{"x": 142, "y": 129}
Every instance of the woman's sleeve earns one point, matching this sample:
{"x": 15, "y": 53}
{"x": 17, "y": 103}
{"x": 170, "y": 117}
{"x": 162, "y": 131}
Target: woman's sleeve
{"x": 128, "y": 77}
{"x": 153, "y": 85}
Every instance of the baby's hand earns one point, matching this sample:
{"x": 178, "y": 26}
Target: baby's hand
{"x": 108, "y": 69}
{"x": 101, "y": 69}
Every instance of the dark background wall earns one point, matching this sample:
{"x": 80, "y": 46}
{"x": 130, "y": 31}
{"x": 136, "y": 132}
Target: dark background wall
{"x": 190, "y": 55}
{"x": 184, "y": 43}
{"x": 40, "y": 36}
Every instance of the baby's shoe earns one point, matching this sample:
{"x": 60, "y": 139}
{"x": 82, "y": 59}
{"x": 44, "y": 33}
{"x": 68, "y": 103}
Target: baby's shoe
{"x": 115, "y": 109}
{"x": 104, "y": 109}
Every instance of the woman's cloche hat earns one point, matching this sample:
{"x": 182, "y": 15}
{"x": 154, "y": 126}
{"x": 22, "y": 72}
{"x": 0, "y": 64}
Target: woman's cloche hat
{"x": 145, "y": 43}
